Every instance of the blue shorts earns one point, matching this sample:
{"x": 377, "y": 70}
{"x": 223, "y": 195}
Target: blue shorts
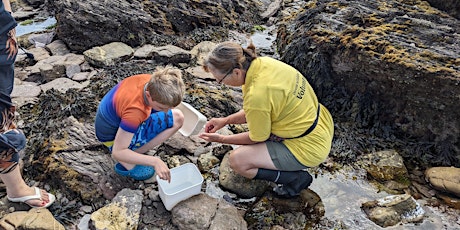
{"x": 155, "y": 124}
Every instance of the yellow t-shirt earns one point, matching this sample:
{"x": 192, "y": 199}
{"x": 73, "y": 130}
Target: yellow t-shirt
{"x": 278, "y": 99}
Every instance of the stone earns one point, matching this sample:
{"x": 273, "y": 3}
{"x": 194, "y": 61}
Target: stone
{"x": 445, "y": 179}
{"x": 108, "y": 55}
{"x": 204, "y": 212}
{"x": 61, "y": 84}
{"x": 391, "y": 210}
{"x": 207, "y": 161}
{"x": 243, "y": 187}
{"x": 35, "y": 218}
{"x": 122, "y": 213}
{"x": 171, "y": 54}
{"x": 386, "y": 165}
{"x": 57, "y": 47}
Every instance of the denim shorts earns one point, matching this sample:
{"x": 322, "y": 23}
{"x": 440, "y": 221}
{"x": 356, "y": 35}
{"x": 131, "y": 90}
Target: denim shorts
{"x": 11, "y": 142}
{"x": 282, "y": 157}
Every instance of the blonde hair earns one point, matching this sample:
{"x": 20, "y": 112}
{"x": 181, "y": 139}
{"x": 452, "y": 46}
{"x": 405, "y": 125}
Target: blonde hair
{"x": 166, "y": 86}
{"x": 228, "y": 55}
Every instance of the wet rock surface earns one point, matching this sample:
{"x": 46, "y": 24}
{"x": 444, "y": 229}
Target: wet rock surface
{"x": 379, "y": 67}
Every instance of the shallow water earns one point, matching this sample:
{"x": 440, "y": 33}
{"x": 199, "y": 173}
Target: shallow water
{"x": 35, "y": 26}
{"x": 263, "y": 39}
{"x": 343, "y": 193}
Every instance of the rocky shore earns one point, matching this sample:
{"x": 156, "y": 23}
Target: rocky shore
{"x": 57, "y": 94}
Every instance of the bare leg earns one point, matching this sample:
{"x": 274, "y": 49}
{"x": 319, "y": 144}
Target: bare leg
{"x": 16, "y": 187}
{"x": 254, "y": 161}
{"x": 247, "y": 159}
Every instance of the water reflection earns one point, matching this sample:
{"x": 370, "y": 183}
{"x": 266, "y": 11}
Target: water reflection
{"x": 343, "y": 193}
{"x": 35, "y": 26}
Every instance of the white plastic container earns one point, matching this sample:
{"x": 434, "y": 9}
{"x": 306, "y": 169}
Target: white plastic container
{"x": 194, "y": 120}
{"x": 186, "y": 181}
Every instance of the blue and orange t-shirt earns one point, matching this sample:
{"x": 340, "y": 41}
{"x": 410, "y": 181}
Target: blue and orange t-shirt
{"x": 122, "y": 107}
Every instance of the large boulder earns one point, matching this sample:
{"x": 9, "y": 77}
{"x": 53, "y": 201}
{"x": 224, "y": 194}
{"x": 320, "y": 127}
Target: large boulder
{"x": 389, "y": 67}
{"x": 452, "y": 7}
{"x": 85, "y": 24}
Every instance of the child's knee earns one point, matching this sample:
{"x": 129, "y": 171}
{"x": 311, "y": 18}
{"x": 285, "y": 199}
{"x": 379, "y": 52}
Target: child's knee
{"x": 178, "y": 117}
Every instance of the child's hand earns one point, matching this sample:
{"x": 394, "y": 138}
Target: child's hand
{"x": 162, "y": 170}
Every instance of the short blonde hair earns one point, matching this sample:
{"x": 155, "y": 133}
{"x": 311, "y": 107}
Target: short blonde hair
{"x": 166, "y": 86}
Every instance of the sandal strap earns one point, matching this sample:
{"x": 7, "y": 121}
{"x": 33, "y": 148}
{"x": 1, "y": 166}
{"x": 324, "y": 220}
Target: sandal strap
{"x": 26, "y": 198}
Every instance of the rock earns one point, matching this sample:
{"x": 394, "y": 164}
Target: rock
{"x": 171, "y": 54}
{"x": 109, "y": 54}
{"x": 40, "y": 53}
{"x": 81, "y": 165}
{"x": 293, "y": 213}
{"x": 122, "y": 213}
{"x": 272, "y": 9}
{"x": 41, "y": 40}
{"x": 179, "y": 141}
{"x": 199, "y": 72}
{"x": 61, "y": 84}
{"x": 57, "y": 47}
{"x": 227, "y": 217}
{"x": 206, "y": 162}
{"x": 391, "y": 210}
{"x": 452, "y": 7}
{"x": 243, "y": 187}
{"x": 139, "y": 22}
{"x": 450, "y": 201}
{"x": 204, "y": 212}
{"x": 144, "y": 52}
{"x": 35, "y": 218}
{"x": 445, "y": 179}
{"x": 382, "y": 58}
{"x": 26, "y": 89}
{"x": 201, "y": 50}
{"x": 55, "y": 67}
{"x": 386, "y": 165}
{"x": 195, "y": 212}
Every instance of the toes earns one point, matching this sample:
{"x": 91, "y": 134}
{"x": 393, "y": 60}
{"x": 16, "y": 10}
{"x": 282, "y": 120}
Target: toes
{"x": 45, "y": 197}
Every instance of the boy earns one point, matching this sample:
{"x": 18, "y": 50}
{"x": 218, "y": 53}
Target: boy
{"x": 137, "y": 115}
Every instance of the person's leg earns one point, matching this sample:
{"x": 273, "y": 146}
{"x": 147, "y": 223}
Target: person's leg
{"x": 161, "y": 126}
{"x": 151, "y": 133}
{"x": 16, "y": 187}
{"x": 247, "y": 159}
{"x": 6, "y": 79}
{"x": 256, "y": 162}
{"x": 10, "y": 143}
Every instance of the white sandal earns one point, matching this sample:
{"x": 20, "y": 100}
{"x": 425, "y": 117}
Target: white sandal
{"x": 37, "y": 196}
